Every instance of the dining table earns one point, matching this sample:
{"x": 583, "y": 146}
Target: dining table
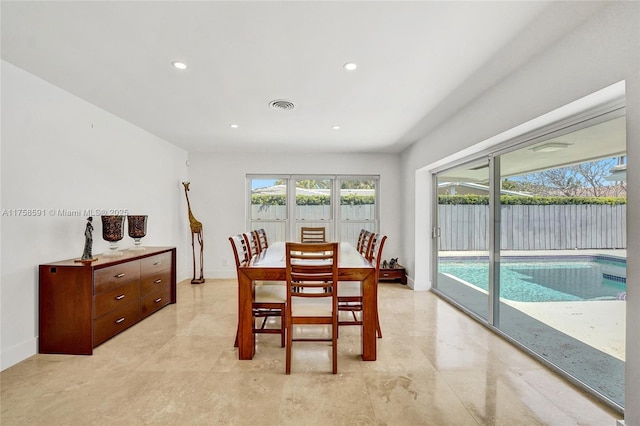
{"x": 270, "y": 265}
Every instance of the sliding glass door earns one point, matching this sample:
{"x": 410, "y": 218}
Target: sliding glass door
{"x": 531, "y": 240}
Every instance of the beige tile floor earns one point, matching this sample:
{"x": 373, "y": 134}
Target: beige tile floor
{"x": 435, "y": 366}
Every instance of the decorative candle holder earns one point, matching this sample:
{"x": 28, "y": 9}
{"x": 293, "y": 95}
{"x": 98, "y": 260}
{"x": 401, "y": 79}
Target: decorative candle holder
{"x": 112, "y": 231}
{"x": 137, "y": 229}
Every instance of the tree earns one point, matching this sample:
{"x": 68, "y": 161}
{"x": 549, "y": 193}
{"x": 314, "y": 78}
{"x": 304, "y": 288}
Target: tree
{"x": 584, "y": 179}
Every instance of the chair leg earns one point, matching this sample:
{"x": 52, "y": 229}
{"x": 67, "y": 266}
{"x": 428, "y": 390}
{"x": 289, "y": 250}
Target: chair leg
{"x": 283, "y": 327}
{"x": 288, "y": 349}
{"x": 334, "y": 348}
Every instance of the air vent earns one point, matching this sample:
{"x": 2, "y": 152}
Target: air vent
{"x": 282, "y": 105}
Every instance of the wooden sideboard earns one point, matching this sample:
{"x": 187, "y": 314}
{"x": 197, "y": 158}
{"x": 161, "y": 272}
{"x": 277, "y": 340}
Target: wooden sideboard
{"x": 84, "y": 304}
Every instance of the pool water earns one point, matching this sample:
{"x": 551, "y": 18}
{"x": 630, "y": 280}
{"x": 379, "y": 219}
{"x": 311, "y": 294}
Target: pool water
{"x": 544, "y": 281}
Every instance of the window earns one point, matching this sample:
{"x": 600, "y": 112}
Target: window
{"x": 282, "y": 204}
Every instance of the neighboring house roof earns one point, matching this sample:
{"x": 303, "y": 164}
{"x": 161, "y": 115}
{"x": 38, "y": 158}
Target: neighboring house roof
{"x": 455, "y": 188}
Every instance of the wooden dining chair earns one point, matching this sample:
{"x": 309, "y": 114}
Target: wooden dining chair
{"x": 270, "y": 296}
{"x": 350, "y": 292}
{"x": 312, "y": 276}
{"x": 312, "y": 234}
{"x": 262, "y": 239}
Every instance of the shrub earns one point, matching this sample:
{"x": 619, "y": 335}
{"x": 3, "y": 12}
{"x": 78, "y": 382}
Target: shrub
{"x": 531, "y": 201}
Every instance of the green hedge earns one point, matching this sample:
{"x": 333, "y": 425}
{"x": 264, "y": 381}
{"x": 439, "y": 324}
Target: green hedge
{"x": 311, "y": 200}
{"x": 532, "y": 201}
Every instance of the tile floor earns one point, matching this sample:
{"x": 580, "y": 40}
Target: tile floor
{"x": 435, "y": 366}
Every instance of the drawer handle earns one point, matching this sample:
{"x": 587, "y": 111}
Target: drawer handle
{"x": 118, "y": 321}
{"x": 385, "y": 275}
{"x": 120, "y": 297}
{"x": 159, "y": 299}
{"x": 159, "y": 262}
{"x": 158, "y": 281}
{"x": 120, "y": 275}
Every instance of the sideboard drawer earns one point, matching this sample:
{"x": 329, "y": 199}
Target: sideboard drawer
{"x": 154, "y": 301}
{"x": 109, "y": 278}
{"x": 116, "y": 298}
{"x": 114, "y": 322}
{"x": 393, "y": 274}
{"x": 155, "y": 282}
{"x": 154, "y": 264}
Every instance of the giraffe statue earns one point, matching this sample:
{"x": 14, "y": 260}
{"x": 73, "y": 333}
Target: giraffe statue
{"x": 196, "y": 229}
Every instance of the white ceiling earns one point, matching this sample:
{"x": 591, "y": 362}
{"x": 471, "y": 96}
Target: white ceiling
{"x": 412, "y": 58}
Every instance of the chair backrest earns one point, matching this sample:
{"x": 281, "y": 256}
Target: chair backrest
{"x": 360, "y": 238}
{"x": 241, "y": 250}
{"x": 312, "y": 234}
{"x": 252, "y": 241}
{"x": 364, "y": 242}
{"x": 375, "y": 251}
{"x": 312, "y": 270}
{"x": 262, "y": 239}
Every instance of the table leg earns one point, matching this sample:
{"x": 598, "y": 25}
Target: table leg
{"x": 246, "y": 338}
{"x": 369, "y": 315}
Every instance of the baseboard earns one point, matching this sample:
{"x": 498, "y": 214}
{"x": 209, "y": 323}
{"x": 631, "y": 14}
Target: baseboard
{"x": 18, "y": 353}
{"x": 620, "y": 423}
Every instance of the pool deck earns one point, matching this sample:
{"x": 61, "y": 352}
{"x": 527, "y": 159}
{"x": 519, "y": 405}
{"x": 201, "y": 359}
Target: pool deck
{"x": 600, "y": 324}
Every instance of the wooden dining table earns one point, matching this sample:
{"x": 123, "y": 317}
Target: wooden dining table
{"x": 270, "y": 265}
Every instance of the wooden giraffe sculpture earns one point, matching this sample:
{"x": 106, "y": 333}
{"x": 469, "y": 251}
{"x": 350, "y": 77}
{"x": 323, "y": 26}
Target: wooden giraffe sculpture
{"x": 196, "y": 229}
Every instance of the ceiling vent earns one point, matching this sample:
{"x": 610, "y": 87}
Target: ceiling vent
{"x": 282, "y": 105}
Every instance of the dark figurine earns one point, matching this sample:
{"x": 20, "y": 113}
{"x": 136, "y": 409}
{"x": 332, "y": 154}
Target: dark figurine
{"x": 393, "y": 262}
{"x": 385, "y": 264}
{"x": 88, "y": 240}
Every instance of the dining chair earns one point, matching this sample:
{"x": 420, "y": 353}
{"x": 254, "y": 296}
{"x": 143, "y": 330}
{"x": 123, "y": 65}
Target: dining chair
{"x": 270, "y": 296}
{"x": 312, "y": 276}
{"x": 312, "y": 234}
{"x": 350, "y": 292}
{"x": 262, "y": 239}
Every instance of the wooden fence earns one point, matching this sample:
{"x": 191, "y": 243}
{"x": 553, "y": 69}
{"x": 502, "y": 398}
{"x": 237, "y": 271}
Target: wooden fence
{"x": 466, "y": 227}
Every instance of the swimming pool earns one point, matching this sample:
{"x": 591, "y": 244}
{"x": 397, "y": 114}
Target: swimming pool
{"x": 545, "y": 280}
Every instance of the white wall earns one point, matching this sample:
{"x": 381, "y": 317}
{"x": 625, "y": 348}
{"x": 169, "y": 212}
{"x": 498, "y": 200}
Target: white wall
{"x": 218, "y": 195}
{"x": 602, "y": 51}
{"x": 60, "y": 152}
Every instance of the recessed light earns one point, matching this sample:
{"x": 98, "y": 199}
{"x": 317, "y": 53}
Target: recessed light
{"x": 179, "y": 65}
{"x": 550, "y": 147}
{"x": 336, "y": 127}
{"x": 350, "y": 66}
{"x": 233, "y": 126}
